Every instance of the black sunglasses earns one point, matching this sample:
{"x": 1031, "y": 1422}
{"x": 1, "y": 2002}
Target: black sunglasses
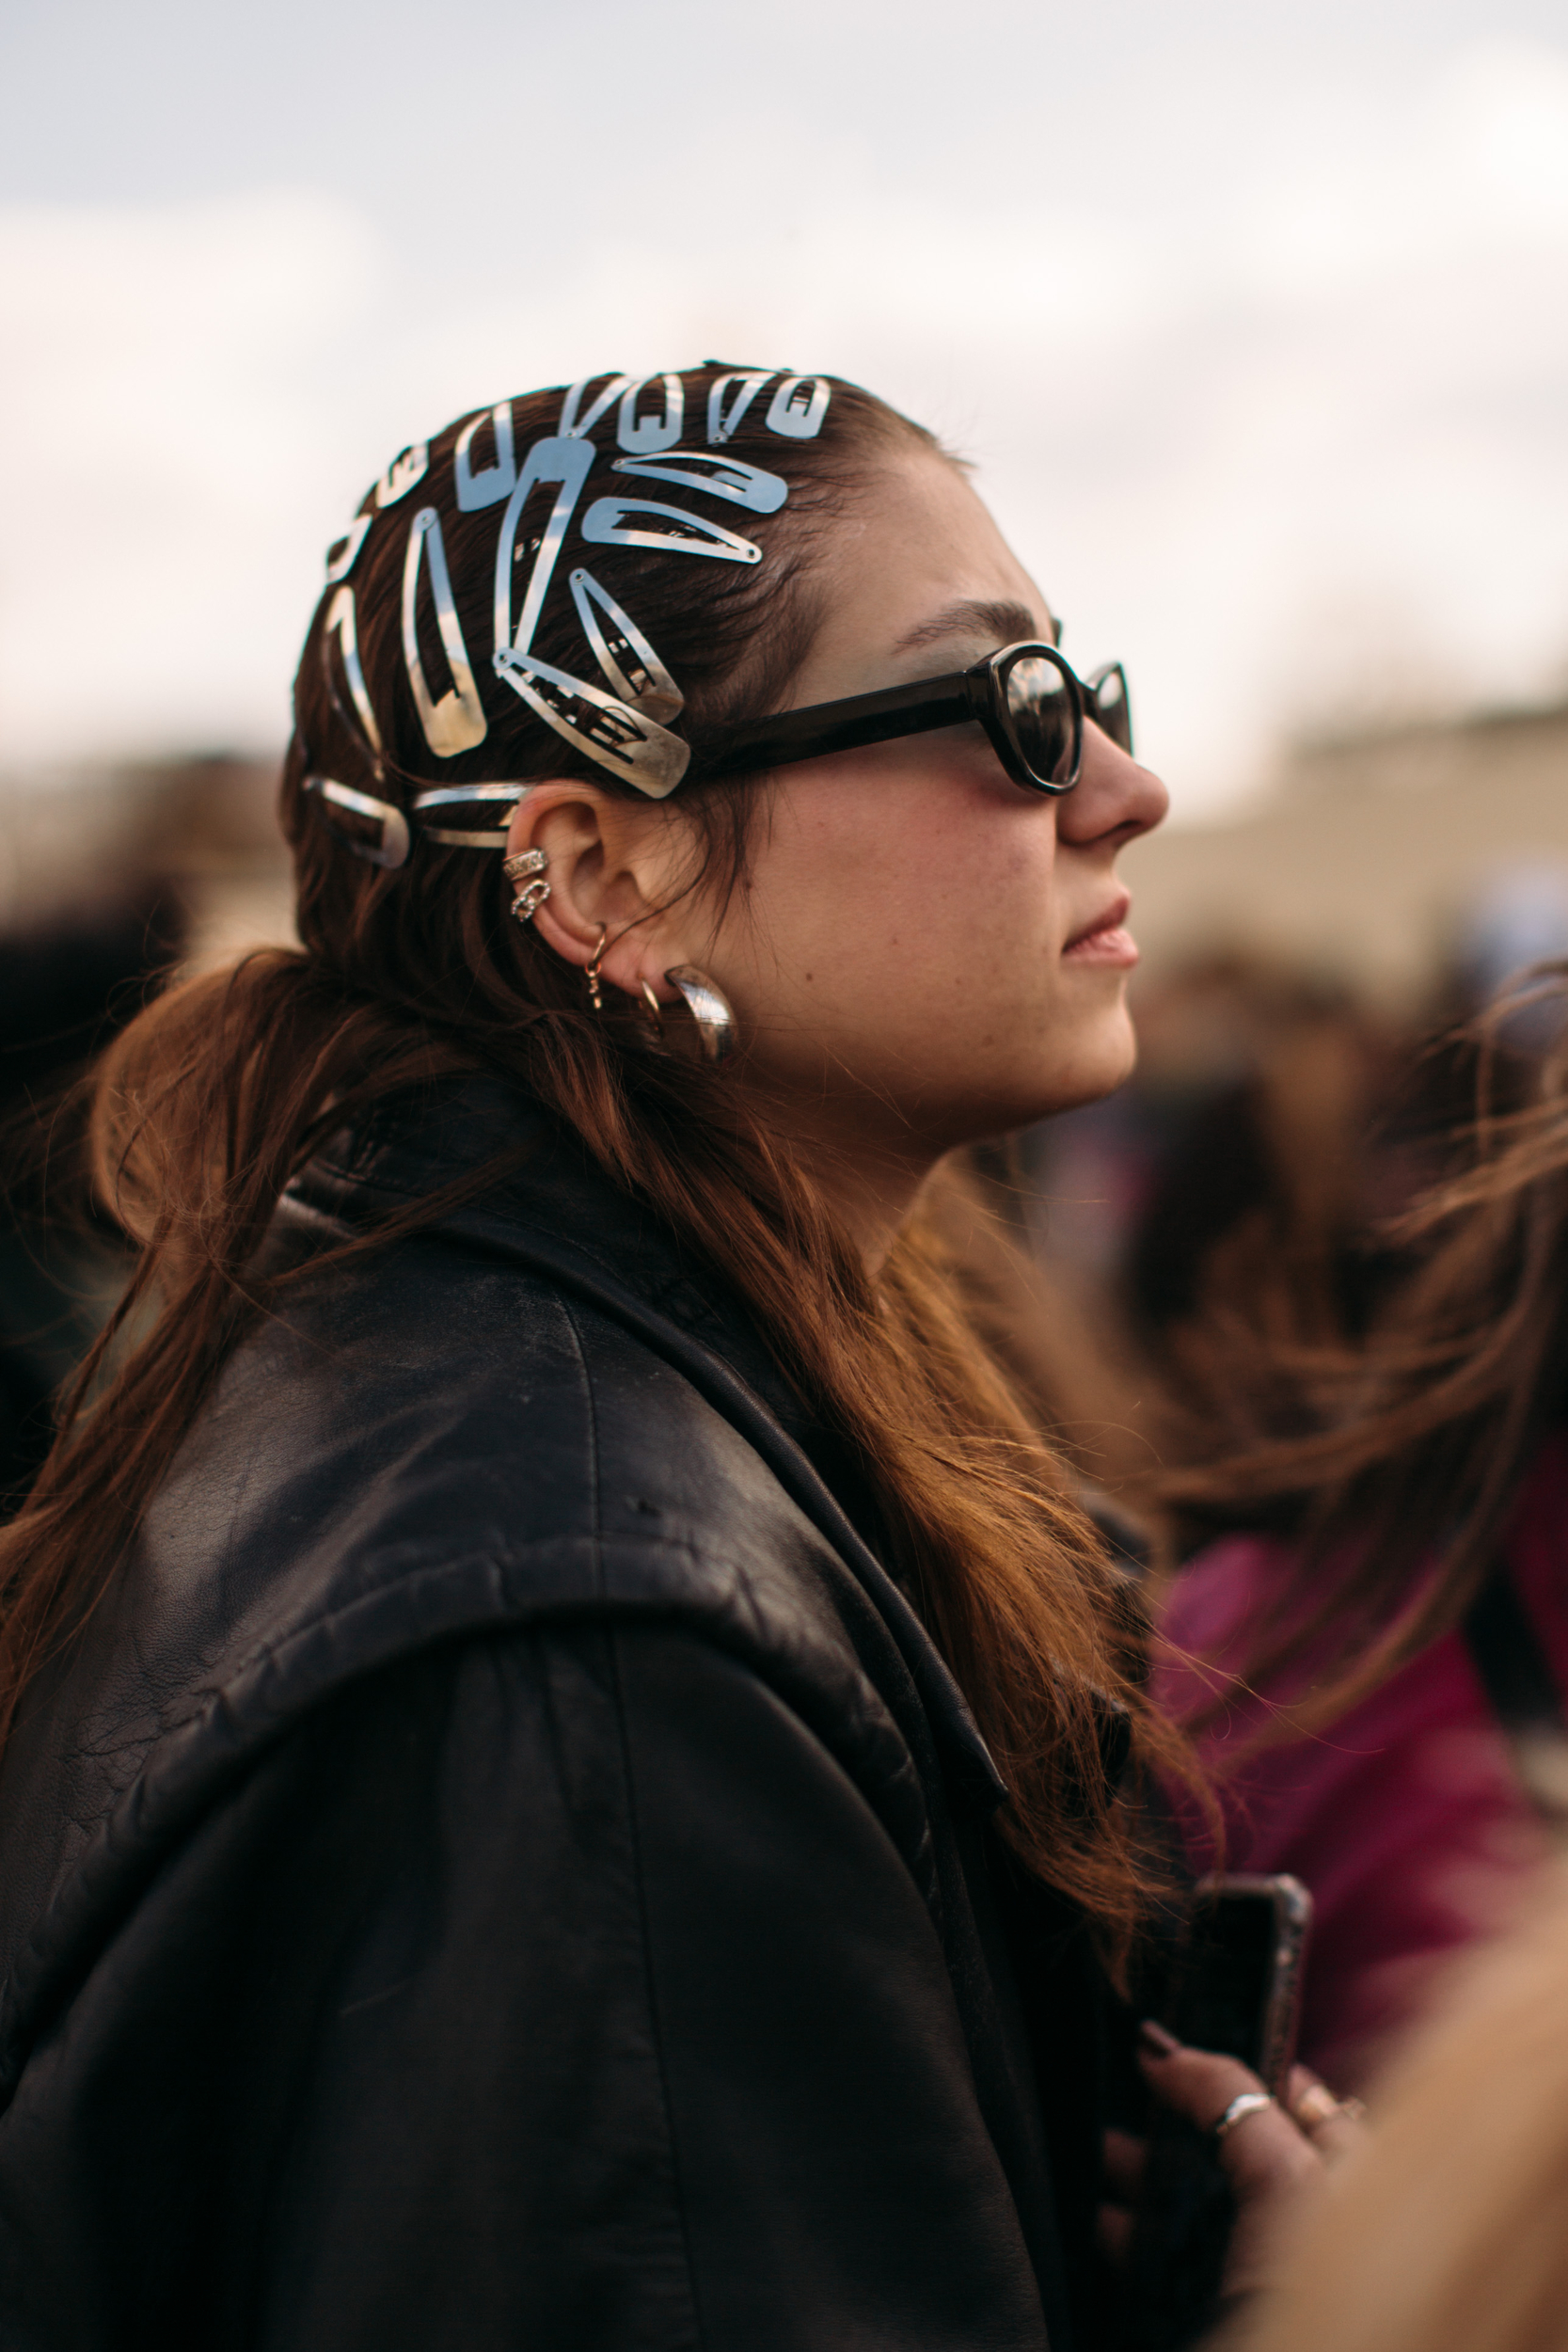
{"x": 1030, "y": 703}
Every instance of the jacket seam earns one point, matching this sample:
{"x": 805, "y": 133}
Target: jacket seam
{"x": 591, "y": 1400}
{"x": 699, "y": 2334}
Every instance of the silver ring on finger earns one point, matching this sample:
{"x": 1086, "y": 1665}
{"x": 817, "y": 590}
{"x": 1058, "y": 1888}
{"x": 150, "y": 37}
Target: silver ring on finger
{"x": 1245, "y": 2103}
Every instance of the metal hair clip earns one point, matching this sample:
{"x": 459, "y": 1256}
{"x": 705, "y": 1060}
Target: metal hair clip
{"x": 409, "y": 466}
{"x": 609, "y": 523}
{"x": 722, "y": 422}
{"x": 340, "y": 624}
{"x": 392, "y": 848}
{"x": 640, "y": 437}
{"x": 488, "y": 486}
{"x": 569, "y": 463}
{"x": 627, "y": 659}
{"x": 798, "y": 408}
{"x": 572, "y": 427}
{"x": 343, "y": 552}
{"x": 729, "y": 478}
{"x": 610, "y": 731}
{"x": 449, "y": 795}
{"x": 457, "y": 721}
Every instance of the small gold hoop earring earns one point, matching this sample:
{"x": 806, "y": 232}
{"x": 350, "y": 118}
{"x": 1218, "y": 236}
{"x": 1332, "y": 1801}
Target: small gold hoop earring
{"x": 596, "y": 993}
{"x": 653, "y": 1004}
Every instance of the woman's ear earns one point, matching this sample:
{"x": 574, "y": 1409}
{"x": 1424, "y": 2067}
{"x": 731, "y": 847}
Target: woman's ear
{"x": 612, "y": 865}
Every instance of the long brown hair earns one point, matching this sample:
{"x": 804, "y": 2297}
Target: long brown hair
{"x": 1394, "y": 1468}
{"x": 221, "y": 1091}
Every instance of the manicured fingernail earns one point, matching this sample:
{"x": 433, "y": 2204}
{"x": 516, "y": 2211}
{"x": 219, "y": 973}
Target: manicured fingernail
{"x": 1156, "y": 2040}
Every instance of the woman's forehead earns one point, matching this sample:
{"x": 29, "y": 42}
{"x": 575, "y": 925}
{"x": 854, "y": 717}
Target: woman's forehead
{"x": 926, "y": 580}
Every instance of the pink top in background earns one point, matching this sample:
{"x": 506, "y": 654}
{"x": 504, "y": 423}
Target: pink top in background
{"x": 1404, "y": 1818}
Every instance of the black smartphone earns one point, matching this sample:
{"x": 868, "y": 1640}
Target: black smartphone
{"x": 1236, "y": 1987}
{"x": 1237, "y": 1982}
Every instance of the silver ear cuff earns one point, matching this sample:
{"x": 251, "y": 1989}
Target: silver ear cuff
{"x": 534, "y": 892}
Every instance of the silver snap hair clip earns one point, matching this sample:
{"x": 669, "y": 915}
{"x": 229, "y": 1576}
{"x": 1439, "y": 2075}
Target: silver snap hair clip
{"x": 391, "y": 848}
{"x": 527, "y": 868}
{"x": 673, "y": 530}
{"x": 457, "y": 721}
{"x": 607, "y": 729}
{"x": 568, "y": 464}
{"x": 450, "y": 796}
{"x": 575, "y": 425}
{"x": 623, "y": 653}
{"x": 730, "y": 478}
{"x": 342, "y": 624}
{"x": 722, "y": 420}
{"x": 798, "y": 408}
{"x": 343, "y": 552}
{"x": 486, "y": 485}
{"x": 407, "y": 468}
{"x": 659, "y": 429}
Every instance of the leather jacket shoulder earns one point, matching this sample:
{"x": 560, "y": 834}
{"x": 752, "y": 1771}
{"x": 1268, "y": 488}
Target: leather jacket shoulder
{"x": 498, "y": 1561}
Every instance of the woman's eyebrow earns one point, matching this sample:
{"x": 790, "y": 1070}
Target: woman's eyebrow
{"x": 972, "y": 617}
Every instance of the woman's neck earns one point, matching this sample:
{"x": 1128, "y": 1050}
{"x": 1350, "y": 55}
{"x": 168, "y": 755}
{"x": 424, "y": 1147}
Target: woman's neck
{"x": 869, "y": 1184}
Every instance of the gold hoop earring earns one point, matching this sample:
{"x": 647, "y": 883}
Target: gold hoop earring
{"x": 710, "y": 1009}
{"x": 596, "y": 993}
{"x": 653, "y": 1004}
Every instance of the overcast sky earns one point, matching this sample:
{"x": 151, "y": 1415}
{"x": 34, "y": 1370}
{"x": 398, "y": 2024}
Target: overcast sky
{"x": 1255, "y": 318}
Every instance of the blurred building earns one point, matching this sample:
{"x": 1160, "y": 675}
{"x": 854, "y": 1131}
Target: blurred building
{"x": 78, "y": 843}
{"x": 110, "y": 881}
{"x": 1377, "y": 861}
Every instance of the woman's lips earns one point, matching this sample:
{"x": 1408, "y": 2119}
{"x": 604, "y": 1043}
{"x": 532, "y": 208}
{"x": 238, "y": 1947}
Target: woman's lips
{"x": 1105, "y": 940}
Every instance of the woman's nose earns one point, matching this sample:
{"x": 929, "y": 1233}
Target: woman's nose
{"x": 1114, "y": 798}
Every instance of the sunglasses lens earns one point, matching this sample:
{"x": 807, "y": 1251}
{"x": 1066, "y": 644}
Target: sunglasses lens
{"x": 1109, "y": 707}
{"x": 1041, "y": 711}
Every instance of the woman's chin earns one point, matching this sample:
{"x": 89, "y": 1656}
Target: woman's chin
{"x": 1104, "y": 1062}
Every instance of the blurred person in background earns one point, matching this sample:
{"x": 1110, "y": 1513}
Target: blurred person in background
{"x": 564, "y": 1735}
{"x": 66, "y": 983}
{"x": 1447, "y": 2230}
{"x": 1376, "y": 1664}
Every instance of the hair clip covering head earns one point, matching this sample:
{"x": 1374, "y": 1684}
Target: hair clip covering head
{"x": 538, "y": 495}
{"x": 492, "y": 483}
{"x": 457, "y": 721}
{"x": 391, "y": 848}
{"x": 607, "y": 729}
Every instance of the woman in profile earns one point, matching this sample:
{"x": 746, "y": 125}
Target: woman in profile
{"x": 563, "y": 1732}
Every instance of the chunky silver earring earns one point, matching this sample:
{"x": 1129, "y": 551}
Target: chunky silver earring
{"x": 710, "y": 1009}
{"x": 534, "y": 892}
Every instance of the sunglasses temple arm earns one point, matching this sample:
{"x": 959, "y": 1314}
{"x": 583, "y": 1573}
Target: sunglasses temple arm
{"x": 845, "y": 726}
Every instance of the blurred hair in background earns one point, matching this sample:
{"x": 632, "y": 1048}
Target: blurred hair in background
{"x": 108, "y": 886}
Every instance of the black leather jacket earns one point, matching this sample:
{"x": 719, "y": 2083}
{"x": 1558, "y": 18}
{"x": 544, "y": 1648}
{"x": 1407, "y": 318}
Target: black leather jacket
{"x": 505, "y": 1866}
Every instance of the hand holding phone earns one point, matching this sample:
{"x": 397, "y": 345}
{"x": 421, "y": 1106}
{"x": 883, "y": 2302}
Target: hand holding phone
{"x": 1235, "y": 1991}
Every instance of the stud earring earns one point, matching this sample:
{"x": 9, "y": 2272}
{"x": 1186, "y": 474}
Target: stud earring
{"x": 710, "y": 1009}
{"x": 533, "y": 894}
{"x": 591, "y": 975}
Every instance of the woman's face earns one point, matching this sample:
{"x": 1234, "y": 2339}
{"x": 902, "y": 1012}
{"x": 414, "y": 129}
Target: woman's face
{"x": 926, "y": 950}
